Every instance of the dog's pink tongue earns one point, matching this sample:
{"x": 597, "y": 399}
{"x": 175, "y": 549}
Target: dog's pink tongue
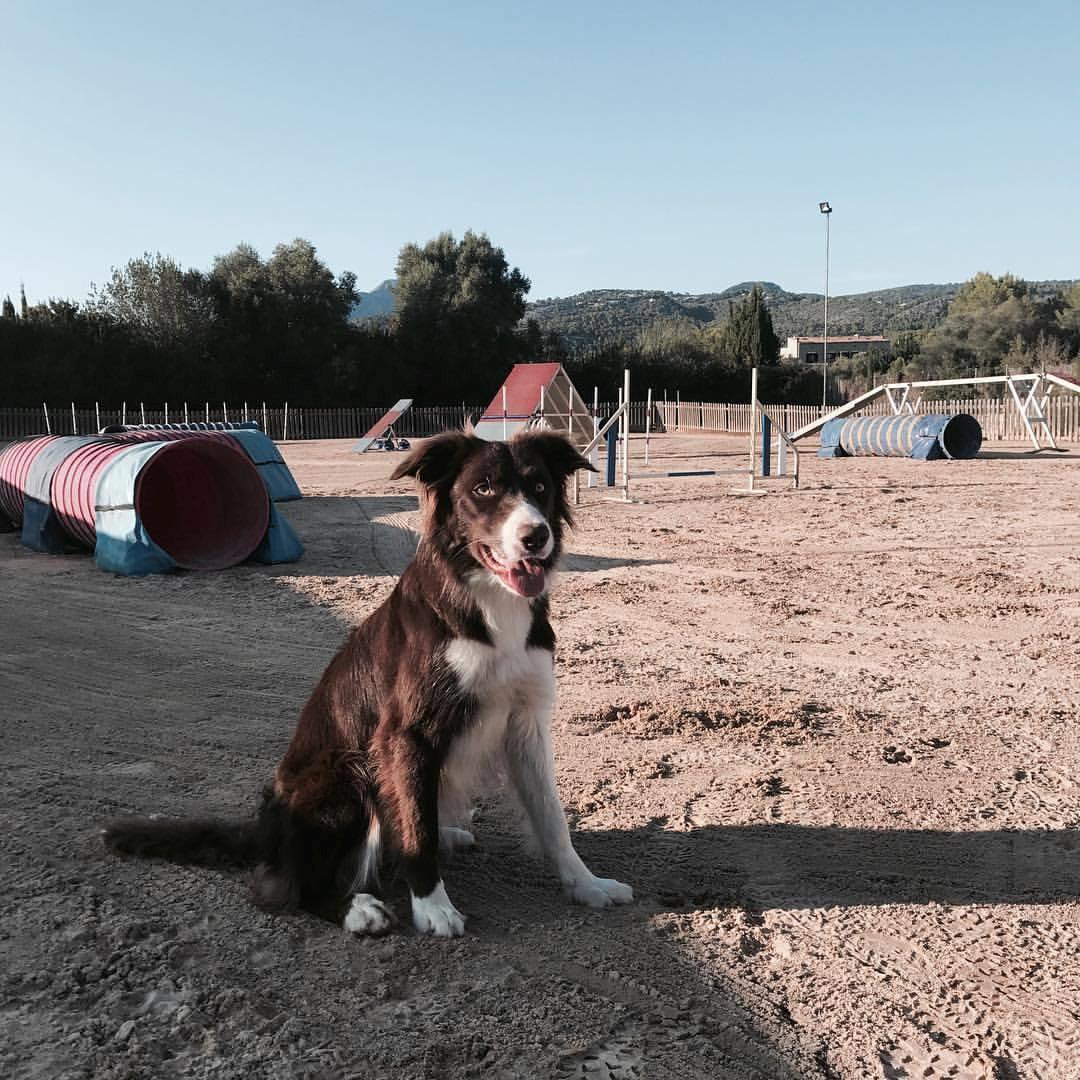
{"x": 527, "y": 579}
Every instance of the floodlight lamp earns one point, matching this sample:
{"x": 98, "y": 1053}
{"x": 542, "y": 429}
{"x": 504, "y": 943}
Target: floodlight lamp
{"x": 825, "y": 208}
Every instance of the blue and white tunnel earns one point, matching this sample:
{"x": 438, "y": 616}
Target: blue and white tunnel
{"x": 925, "y": 438}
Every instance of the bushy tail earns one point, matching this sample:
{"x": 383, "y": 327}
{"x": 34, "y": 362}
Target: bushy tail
{"x": 297, "y": 864}
{"x": 199, "y": 842}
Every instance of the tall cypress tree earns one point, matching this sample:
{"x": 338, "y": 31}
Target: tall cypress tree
{"x": 749, "y": 338}
{"x": 764, "y": 345}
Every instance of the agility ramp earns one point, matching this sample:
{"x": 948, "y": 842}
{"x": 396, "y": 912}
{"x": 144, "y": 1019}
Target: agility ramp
{"x": 143, "y": 507}
{"x": 536, "y": 396}
{"x": 381, "y": 435}
{"x": 925, "y": 437}
{"x": 1030, "y": 394}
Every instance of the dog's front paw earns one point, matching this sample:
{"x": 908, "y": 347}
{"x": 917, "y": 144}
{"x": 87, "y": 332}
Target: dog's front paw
{"x": 434, "y": 914}
{"x": 598, "y": 892}
{"x": 367, "y": 915}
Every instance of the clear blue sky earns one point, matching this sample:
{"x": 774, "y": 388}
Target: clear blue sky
{"x": 677, "y": 146}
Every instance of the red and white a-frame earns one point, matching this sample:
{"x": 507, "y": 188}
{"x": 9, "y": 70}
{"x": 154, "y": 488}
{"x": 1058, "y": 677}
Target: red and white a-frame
{"x": 536, "y": 396}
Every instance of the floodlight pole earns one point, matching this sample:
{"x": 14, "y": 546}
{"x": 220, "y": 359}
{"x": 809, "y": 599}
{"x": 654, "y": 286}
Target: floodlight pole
{"x": 826, "y": 209}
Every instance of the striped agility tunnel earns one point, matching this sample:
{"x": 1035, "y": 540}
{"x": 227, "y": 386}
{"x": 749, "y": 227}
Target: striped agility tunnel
{"x": 143, "y": 507}
{"x": 929, "y": 437}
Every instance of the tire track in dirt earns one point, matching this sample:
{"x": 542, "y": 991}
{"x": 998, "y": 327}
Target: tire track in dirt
{"x": 955, "y": 993}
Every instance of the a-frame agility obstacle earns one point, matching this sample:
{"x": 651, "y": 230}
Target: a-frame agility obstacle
{"x": 540, "y": 396}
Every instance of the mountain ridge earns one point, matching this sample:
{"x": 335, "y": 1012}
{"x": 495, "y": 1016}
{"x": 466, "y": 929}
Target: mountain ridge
{"x": 598, "y": 318}
{"x": 603, "y": 317}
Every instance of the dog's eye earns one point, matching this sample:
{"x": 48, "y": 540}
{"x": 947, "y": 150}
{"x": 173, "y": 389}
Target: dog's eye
{"x": 539, "y": 487}
{"x": 484, "y": 488}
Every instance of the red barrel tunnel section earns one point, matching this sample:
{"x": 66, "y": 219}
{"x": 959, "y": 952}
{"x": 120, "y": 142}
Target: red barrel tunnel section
{"x": 203, "y": 503}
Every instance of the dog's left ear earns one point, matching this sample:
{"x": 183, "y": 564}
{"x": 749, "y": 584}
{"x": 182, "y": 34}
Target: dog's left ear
{"x": 557, "y": 452}
{"x": 437, "y": 459}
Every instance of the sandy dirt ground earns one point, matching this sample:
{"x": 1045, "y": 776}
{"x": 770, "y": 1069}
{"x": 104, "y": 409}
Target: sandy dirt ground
{"x": 829, "y": 736}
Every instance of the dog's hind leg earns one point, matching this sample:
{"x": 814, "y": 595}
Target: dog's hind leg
{"x": 409, "y": 793}
{"x": 366, "y": 913}
{"x": 316, "y": 863}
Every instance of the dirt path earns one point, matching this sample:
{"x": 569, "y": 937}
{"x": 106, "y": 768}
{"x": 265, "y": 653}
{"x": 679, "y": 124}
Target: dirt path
{"x": 829, "y": 736}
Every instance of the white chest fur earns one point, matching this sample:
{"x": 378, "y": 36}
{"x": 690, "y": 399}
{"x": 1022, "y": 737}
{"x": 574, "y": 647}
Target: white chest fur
{"x": 507, "y": 677}
{"x": 481, "y": 667}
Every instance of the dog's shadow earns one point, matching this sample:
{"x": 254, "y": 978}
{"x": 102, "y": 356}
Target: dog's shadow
{"x": 791, "y": 867}
{"x": 586, "y": 564}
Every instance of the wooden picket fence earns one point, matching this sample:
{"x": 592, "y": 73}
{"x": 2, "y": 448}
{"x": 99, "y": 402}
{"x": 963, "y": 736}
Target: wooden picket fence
{"x": 998, "y": 418}
{"x": 280, "y": 422}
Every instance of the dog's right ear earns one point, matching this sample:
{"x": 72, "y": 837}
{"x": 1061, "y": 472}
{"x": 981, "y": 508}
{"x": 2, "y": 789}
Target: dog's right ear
{"x": 436, "y": 460}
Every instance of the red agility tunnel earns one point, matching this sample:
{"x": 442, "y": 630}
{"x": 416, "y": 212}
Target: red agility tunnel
{"x": 15, "y": 461}
{"x": 200, "y": 502}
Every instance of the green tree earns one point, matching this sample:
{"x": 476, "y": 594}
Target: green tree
{"x": 281, "y": 323}
{"x": 1068, "y": 317}
{"x": 311, "y": 309}
{"x": 459, "y": 306}
{"x": 306, "y": 285}
{"x": 55, "y": 312}
{"x": 8, "y": 309}
{"x": 554, "y": 348}
{"x": 985, "y": 292}
{"x": 748, "y": 337}
{"x": 156, "y": 299}
{"x": 990, "y": 318}
{"x": 906, "y": 347}
{"x": 240, "y": 276}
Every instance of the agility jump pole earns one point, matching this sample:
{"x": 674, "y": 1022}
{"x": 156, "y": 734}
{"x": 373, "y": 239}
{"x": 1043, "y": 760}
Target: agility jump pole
{"x": 648, "y": 423}
{"x": 592, "y": 455}
{"x": 761, "y": 421}
{"x": 601, "y": 431}
{"x": 757, "y": 417}
{"x": 621, "y": 435}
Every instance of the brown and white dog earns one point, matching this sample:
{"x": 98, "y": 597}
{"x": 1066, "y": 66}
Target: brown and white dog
{"x": 451, "y": 674}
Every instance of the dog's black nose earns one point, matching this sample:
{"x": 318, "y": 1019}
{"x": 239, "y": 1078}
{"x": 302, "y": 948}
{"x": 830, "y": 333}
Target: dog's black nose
{"x": 534, "y": 537}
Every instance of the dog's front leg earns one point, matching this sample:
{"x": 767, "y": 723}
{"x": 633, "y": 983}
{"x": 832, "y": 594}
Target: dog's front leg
{"x": 409, "y": 790}
{"x": 532, "y": 770}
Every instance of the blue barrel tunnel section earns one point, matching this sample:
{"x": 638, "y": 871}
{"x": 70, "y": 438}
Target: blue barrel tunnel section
{"x": 929, "y": 437}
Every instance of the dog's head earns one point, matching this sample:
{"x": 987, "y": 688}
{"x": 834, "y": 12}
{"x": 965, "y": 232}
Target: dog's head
{"x": 496, "y": 507}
